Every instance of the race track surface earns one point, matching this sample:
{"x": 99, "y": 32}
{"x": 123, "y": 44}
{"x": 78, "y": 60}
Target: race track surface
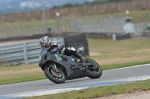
{"x": 108, "y": 77}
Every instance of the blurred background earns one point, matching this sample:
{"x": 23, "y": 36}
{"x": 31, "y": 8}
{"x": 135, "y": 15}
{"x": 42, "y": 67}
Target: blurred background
{"x": 105, "y": 19}
{"x": 19, "y": 18}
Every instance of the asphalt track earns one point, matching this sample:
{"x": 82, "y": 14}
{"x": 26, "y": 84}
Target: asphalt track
{"x": 43, "y": 87}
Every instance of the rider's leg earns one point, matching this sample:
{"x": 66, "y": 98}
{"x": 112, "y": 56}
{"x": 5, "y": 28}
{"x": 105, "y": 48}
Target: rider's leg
{"x": 74, "y": 52}
{"x": 82, "y": 59}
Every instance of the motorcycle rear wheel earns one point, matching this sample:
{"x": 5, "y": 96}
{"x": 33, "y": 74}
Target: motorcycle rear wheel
{"x": 96, "y": 72}
{"x": 53, "y": 77}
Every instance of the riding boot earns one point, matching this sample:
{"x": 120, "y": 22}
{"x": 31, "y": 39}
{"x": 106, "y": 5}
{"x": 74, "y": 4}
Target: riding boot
{"x": 82, "y": 59}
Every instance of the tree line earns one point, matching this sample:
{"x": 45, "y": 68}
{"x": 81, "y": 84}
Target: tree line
{"x": 90, "y": 3}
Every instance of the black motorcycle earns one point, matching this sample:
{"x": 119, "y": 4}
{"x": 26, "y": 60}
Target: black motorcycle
{"x": 59, "y": 67}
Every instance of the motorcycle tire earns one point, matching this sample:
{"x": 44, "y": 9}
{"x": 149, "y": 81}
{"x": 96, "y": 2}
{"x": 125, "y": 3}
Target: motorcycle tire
{"x": 53, "y": 78}
{"x": 94, "y": 73}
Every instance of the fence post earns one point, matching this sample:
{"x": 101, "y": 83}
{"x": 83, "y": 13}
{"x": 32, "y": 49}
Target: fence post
{"x": 7, "y": 29}
{"x": 21, "y": 28}
{"x": 25, "y": 52}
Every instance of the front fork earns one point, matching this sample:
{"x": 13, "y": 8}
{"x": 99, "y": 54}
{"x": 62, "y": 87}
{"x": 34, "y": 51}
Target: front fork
{"x": 53, "y": 66}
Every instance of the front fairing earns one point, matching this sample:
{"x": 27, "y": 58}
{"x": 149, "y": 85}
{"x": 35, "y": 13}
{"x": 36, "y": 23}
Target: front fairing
{"x": 49, "y": 56}
{"x": 45, "y": 56}
{"x": 43, "y": 53}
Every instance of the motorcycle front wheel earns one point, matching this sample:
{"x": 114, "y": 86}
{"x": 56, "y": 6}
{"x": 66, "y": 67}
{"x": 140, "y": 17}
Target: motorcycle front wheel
{"x": 94, "y": 72}
{"x": 56, "y": 77}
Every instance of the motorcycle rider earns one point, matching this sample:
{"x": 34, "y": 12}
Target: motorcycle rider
{"x": 45, "y": 42}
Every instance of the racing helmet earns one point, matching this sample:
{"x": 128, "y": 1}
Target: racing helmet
{"x": 45, "y": 41}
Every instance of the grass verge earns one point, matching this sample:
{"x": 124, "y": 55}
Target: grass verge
{"x": 114, "y": 66}
{"x": 92, "y": 93}
{"x": 21, "y": 78}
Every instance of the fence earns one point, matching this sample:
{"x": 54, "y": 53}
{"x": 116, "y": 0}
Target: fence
{"x": 104, "y": 25}
{"x": 23, "y": 53}
{"x": 108, "y": 24}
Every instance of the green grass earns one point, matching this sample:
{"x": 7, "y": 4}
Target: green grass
{"x": 20, "y": 73}
{"x": 109, "y": 52}
{"x": 92, "y": 93}
{"x": 108, "y": 46}
{"x": 114, "y": 66}
{"x": 137, "y": 16}
{"x": 10, "y": 79}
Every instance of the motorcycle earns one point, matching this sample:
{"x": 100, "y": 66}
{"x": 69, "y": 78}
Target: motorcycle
{"x": 59, "y": 67}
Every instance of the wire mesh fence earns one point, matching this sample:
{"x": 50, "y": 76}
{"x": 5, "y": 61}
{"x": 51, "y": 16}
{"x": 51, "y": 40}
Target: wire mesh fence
{"x": 77, "y": 24}
{"x": 84, "y": 21}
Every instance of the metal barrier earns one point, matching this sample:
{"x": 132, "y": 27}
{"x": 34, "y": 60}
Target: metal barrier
{"x": 23, "y": 53}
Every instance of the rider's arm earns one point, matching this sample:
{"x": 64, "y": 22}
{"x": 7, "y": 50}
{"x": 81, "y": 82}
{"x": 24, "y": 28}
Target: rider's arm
{"x": 61, "y": 47}
{"x": 55, "y": 48}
